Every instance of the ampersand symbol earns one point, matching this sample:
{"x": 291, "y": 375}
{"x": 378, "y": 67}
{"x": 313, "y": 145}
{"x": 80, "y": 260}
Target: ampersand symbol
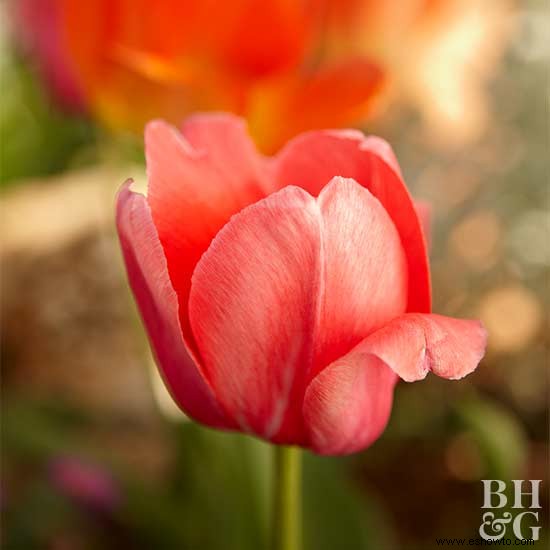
{"x": 497, "y": 526}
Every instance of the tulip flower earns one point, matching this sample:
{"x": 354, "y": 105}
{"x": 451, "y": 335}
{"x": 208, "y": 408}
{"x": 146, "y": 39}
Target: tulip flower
{"x": 284, "y": 297}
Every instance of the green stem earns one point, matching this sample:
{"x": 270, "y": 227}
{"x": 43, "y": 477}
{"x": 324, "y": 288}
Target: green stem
{"x": 287, "y": 505}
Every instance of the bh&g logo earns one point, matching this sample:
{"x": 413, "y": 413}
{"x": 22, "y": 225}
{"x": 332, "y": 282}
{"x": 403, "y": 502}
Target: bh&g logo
{"x": 494, "y": 527}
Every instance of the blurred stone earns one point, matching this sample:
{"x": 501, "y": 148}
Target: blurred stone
{"x": 70, "y": 330}
{"x": 512, "y": 315}
{"x": 58, "y": 210}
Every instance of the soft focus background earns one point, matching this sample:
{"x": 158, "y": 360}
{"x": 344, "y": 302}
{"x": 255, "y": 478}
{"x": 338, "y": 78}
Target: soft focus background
{"x": 94, "y": 455}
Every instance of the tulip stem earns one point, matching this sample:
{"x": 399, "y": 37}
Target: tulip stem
{"x": 287, "y": 505}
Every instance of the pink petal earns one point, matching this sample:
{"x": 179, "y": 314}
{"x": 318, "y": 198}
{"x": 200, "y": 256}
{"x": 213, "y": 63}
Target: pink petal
{"x": 414, "y": 344}
{"x": 158, "y": 305}
{"x": 365, "y": 269}
{"x": 312, "y": 159}
{"x": 287, "y": 285}
{"x": 253, "y": 307}
{"x": 197, "y": 181}
{"x": 347, "y": 406}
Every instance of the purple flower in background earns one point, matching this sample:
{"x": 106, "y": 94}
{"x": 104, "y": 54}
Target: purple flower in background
{"x": 39, "y": 32}
{"x": 85, "y": 483}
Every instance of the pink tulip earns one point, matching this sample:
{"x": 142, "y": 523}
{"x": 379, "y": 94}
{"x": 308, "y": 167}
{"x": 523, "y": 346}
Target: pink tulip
{"x": 284, "y": 297}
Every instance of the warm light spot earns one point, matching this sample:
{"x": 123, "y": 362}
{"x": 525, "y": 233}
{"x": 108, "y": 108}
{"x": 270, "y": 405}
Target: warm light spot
{"x": 528, "y": 237}
{"x": 452, "y": 62}
{"x": 447, "y": 188}
{"x": 476, "y": 238}
{"x": 512, "y": 316}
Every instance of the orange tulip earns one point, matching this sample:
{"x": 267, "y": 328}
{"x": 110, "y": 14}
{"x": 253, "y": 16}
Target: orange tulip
{"x": 135, "y": 60}
{"x": 285, "y": 65}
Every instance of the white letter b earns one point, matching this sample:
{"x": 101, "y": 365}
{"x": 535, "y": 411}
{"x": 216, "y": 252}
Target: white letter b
{"x": 487, "y": 493}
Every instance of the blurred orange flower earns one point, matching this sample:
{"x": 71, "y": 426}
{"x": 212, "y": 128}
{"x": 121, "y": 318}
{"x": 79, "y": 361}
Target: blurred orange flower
{"x": 285, "y": 65}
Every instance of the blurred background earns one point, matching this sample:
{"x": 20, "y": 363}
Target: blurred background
{"x": 94, "y": 454}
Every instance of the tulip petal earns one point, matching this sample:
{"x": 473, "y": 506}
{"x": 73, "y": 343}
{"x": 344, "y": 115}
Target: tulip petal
{"x": 197, "y": 181}
{"x": 365, "y": 270}
{"x": 287, "y": 286}
{"x": 347, "y": 406}
{"x": 158, "y": 305}
{"x": 312, "y": 159}
{"x": 253, "y": 307}
{"x": 330, "y": 97}
{"x": 414, "y": 344}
